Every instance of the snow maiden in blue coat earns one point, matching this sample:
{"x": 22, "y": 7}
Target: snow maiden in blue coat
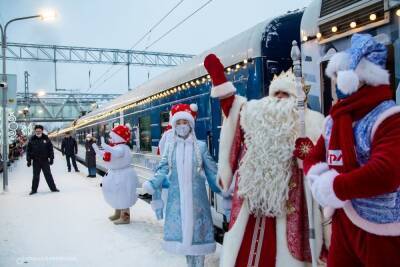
{"x": 186, "y": 162}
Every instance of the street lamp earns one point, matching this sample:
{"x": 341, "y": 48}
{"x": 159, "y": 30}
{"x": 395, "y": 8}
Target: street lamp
{"x": 45, "y": 15}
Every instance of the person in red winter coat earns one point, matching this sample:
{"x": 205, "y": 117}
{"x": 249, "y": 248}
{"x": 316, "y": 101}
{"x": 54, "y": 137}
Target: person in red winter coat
{"x": 354, "y": 170}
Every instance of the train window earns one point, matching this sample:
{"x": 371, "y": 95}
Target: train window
{"x": 164, "y": 120}
{"x": 326, "y": 89}
{"x": 145, "y": 133}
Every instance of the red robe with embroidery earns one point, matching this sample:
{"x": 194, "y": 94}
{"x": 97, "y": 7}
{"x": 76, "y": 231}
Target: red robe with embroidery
{"x": 260, "y": 240}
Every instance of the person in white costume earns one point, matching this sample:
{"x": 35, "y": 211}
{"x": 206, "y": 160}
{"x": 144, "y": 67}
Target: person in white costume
{"x": 120, "y": 182}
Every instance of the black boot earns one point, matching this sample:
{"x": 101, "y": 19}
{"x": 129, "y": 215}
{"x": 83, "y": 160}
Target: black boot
{"x": 32, "y": 192}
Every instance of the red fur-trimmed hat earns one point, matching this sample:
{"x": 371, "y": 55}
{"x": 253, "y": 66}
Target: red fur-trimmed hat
{"x": 183, "y": 112}
{"x": 123, "y": 132}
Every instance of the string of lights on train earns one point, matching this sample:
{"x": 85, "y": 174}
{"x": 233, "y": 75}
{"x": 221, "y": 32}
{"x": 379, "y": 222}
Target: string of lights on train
{"x": 336, "y": 29}
{"x": 168, "y": 92}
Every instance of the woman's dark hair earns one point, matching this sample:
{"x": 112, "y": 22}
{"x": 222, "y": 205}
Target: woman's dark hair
{"x": 38, "y": 126}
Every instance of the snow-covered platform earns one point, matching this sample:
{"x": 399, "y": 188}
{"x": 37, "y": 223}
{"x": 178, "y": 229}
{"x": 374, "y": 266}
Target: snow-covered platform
{"x": 71, "y": 228}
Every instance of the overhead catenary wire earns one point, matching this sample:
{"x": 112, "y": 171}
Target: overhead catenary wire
{"x": 178, "y": 24}
{"x": 162, "y": 36}
{"x": 135, "y": 44}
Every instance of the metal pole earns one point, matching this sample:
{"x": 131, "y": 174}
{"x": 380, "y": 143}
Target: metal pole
{"x": 4, "y": 109}
{"x": 55, "y": 70}
{"x": 4, "y": 102}
{"x": 296, "y": 57}
{"x": 129, "y": 79}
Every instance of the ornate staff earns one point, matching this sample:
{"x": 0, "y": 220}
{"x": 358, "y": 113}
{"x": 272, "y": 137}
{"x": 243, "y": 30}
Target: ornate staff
{"x": 296, "y": 57}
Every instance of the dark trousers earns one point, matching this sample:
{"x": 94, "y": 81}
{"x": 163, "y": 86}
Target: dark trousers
{"x": 42, "y": 165}
{"x": 71, "y": 157}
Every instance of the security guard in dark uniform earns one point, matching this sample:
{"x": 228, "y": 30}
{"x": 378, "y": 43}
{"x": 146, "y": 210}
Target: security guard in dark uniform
{"x": 40, "y": 152}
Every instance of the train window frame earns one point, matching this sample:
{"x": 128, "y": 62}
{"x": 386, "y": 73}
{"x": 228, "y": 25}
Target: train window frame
{"x": 164, "y": 123}
{"x": 147, "y": 145}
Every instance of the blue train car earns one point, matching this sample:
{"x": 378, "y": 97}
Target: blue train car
{"x": 251, "y": 58}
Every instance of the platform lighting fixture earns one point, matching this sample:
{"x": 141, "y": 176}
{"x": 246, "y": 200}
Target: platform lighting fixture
{"x": 372, "y": 17}
{"x": 319, "y": 35}
{"x": 353, "y": 24}
{"x": 48, "y": 14}
{"x": 237, "y": 66}
{"x": 245, "y": 61}
{"x": 198, "y": 82}
{"x": 305, "y": 38}
{"x": 334, "y": 29}
{"x": 228, "y": 69}
{"x": 203, "y": 80}
{"x": 398, "y": 12}
{"x": 41, "y": 93}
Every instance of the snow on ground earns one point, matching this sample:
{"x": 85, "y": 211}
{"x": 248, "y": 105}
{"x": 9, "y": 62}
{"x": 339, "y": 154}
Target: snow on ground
{"x": 71, "y": 228}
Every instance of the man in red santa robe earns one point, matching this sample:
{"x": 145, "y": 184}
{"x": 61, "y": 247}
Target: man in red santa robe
{"x": 269, "y": 225}
{"x": 355, "y": 166}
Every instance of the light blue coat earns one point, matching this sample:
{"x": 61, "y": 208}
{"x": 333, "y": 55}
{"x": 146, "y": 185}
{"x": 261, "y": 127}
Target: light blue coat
{"x": 203, "y": 235}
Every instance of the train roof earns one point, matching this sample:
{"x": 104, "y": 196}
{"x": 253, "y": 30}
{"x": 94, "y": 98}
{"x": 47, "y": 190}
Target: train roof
{"x": 246, "y": 45}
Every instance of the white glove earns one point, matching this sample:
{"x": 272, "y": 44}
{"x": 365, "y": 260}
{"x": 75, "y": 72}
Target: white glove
{"x": 322, "y": 189}
{"x": 96, "y": 148}
{"x": 102, "y": 141}
{"x": 148, "y": 188}
{"x": 315, "y": 171}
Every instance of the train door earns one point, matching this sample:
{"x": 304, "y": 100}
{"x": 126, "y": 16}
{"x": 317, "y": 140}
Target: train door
{"x": 135, "y": 138}
{"x": 327, "y": 86}
{"x": 216, "y": 121}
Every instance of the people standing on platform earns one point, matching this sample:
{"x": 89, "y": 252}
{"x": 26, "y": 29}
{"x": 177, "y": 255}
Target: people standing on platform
{"x": 354, "y": 170}
{"x": 120, "y": 183}
{"x": 186, "y": 163}
{"x": 269, "y": 220}
{"x": 40, "y": 155}
{"x": 69, "y": 149}
{"x": 90, "y": 156}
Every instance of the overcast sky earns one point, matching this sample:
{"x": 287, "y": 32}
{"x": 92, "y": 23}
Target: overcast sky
{"x": 120, "y": 24}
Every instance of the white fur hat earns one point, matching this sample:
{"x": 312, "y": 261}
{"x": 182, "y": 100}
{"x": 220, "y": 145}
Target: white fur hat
{"x": 363, "y": 62}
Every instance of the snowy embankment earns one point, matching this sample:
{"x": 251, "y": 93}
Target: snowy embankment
{"x": 71, "y": 228}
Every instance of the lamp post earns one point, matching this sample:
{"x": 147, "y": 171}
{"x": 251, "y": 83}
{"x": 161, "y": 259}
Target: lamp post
{"x": 46, "y": 15}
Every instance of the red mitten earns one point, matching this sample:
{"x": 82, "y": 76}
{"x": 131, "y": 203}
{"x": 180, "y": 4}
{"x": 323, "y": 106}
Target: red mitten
{"x": 215, "y": 68}
{"x": 303, "y": 147}
{"x": 221, "y": 87}
{"x": 107, "y": 156}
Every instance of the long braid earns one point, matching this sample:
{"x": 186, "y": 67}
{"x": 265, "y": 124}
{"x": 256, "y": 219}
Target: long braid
{"x": 197, "y": 152}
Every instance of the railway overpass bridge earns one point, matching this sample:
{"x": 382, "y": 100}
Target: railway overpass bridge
{"x": 57, "y": 106}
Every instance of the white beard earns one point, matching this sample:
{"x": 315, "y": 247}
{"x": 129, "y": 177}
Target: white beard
{"x": 270, "y": 131}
